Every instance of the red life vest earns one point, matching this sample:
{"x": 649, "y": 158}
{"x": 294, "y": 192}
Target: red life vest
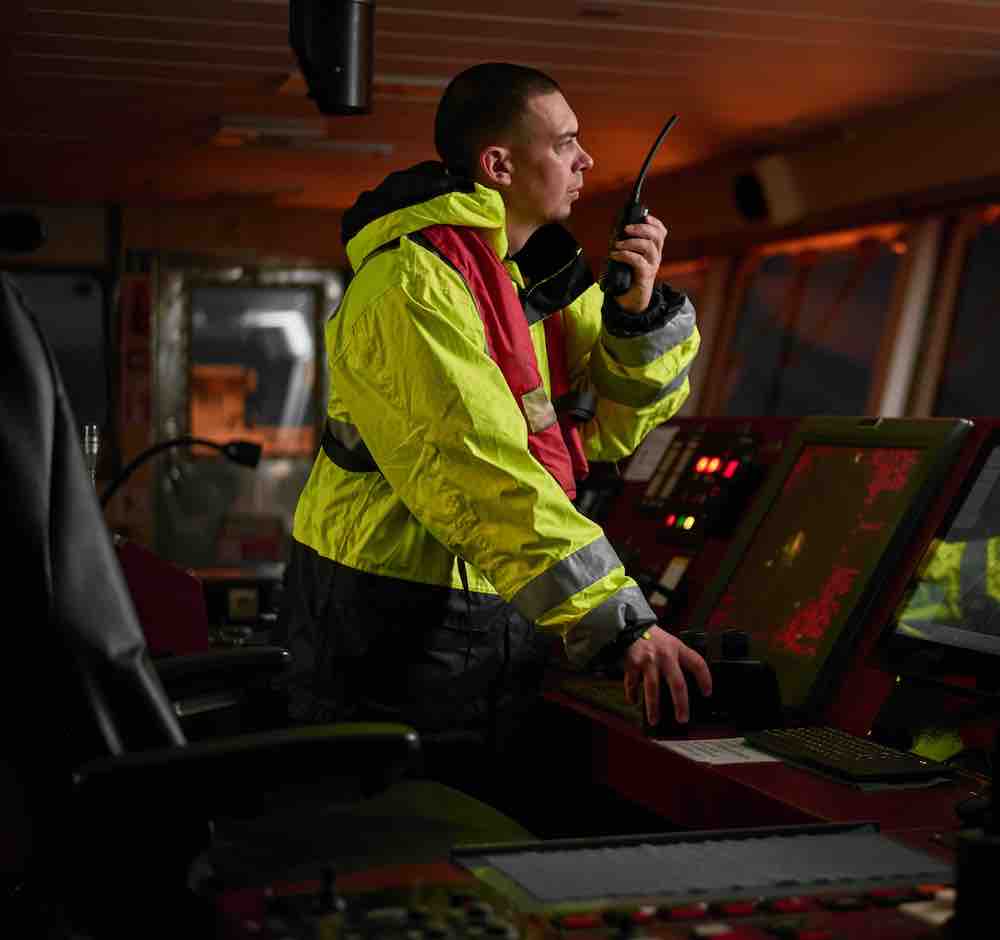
{"x": 553, "y": 440}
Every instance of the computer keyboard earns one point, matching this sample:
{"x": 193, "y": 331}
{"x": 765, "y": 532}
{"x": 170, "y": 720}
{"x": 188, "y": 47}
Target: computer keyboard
{"x": 845, "y": 756}
{"x": 606, "y": 694}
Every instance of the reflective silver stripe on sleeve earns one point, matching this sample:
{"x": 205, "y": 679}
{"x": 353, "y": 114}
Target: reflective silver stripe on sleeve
{"x": 568, "y": 577}
{"x": 629, "y": 392}
{"x": 538, "y": 410}
{"x": 592, "y": 633}
{"x": 648, "y": 347}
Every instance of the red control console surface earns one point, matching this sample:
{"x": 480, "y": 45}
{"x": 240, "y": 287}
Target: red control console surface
{"x": 169, "y": 600}
{"x": 448, "y": 903}
{"x": 613, "y": 749}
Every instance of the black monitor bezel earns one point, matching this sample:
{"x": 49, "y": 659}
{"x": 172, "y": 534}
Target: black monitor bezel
{"x": 940, "y": 439}
{"x": 907, "y": 656}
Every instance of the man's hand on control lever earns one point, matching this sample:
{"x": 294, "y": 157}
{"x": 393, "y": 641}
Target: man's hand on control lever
{"x": 658, "y": 653}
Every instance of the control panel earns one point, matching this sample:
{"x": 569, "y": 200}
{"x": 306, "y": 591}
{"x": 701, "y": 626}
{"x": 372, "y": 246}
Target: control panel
{"x": 462, "y": 907}
{"x": 912, "y": 912}
{"x": 670, "y": 510}
{"x": 702, "y": 483}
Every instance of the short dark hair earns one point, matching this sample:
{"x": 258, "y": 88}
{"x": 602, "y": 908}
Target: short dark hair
{"x": 479, "y": 103}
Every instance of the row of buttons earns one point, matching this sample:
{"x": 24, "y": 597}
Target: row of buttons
{"x": 465, "y": 915}
{"x": 744, "y": 908}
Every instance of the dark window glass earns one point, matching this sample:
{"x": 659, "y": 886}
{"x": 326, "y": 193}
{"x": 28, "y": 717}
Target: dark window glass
{"x": 688, "y": 281}
{"x": 809, "y": 330}
{"x": 968, "y": 383}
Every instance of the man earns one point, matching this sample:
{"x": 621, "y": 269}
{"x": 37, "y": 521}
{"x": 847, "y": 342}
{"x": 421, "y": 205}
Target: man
{"x": 437, "y": 550}
{"x": 958, "y": 586}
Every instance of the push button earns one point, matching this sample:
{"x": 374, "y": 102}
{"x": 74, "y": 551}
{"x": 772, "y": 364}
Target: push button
{"x": 721, "y": 931}
{"x": 844, "y": 902}
{"x": 643, "y": 915}
{"x": 500, "y": 928}
{"x": 478, "y": 910}
{"x": 687, "y": 911}
{"x": 625, "y": 919}
{"x": 931, "y": 891}
{"x": 789, "y": 905}
{"x": 736, "y": 908}
{"x": 382, "y": 917}
{"x": 889, "y": 897}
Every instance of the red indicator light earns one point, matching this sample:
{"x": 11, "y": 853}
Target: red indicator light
{"x": 643, "y": 915}
{"x": 731, "y": 469}
{"x": 670, "y": 520}
{"x": 737, "y": 908}
{"x": 714, "y": 464}
{"x": 702, "y": 465}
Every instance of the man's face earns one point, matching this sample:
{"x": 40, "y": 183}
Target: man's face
{"x": 547, "y": 163}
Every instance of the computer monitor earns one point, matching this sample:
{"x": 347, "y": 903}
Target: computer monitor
{"x": 834, "y": 516}
{"x": 946, "y": 628}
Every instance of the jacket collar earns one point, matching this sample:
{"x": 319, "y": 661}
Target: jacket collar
{"x": 550, "y": 262}
{"x": 554, "y": 269}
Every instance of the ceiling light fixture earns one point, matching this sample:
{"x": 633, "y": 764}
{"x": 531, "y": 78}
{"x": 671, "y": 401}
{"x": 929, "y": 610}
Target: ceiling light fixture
{"x": 275, "y": 133}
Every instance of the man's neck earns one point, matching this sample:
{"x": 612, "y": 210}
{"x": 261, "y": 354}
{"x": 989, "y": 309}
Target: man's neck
{"x": 517, "y": 235}
{"x": 518, "y": 230}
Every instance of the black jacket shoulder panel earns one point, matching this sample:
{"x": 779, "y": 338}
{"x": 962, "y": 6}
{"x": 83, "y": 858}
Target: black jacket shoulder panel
{"x": 398, "y": 191}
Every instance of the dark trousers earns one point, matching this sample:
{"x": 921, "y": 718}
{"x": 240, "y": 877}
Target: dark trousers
{"x": 444, "y": 661}
{"x": 465, "y": 670}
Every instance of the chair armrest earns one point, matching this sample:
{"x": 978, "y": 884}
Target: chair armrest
{"x": 242, "y": 662}
{"x": 231, "y": 672}
{"x": 224, "y": 692}
{"x": 223, "y": 774}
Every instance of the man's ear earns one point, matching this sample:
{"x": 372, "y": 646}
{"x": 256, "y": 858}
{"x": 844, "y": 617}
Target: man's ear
{"x": 496, "y": 165}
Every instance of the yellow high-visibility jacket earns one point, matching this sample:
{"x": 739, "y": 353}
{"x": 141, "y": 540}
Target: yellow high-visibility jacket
{"x": 959, "y": 584}
{"x": 413, "y": 385}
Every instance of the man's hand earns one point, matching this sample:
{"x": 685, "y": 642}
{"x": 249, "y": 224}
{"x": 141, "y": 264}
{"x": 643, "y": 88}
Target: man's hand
{"x": 641, "y": 250}
{"x": 662, "y": 654}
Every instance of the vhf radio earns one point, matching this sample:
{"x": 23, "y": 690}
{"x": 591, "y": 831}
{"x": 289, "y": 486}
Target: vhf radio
{"x": 618, "y": 277}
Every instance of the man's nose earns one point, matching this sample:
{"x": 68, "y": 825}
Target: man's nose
{"x": 586, "y": 161}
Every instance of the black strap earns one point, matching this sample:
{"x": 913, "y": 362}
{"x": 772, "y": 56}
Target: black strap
{"x": 580, "y": 405}
{"x": 344, "y": 457}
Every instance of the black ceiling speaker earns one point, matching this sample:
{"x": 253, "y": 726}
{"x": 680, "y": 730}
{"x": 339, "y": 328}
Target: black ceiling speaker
{"x": 771, "y": 191}
{"x": 750, "y": 198}
{"x": 333, "y": 41}
{"x": 21, "y": 231}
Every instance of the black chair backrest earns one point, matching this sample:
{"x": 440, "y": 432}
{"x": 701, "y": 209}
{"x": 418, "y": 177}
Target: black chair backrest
{"x": 78, "y": 681}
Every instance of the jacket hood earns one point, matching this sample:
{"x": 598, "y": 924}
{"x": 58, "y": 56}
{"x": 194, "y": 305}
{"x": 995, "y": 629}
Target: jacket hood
{"x": 412, "y": 199}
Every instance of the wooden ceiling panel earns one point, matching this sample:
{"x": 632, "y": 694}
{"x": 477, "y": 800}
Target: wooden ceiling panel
{"x": 148, "y": 82}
